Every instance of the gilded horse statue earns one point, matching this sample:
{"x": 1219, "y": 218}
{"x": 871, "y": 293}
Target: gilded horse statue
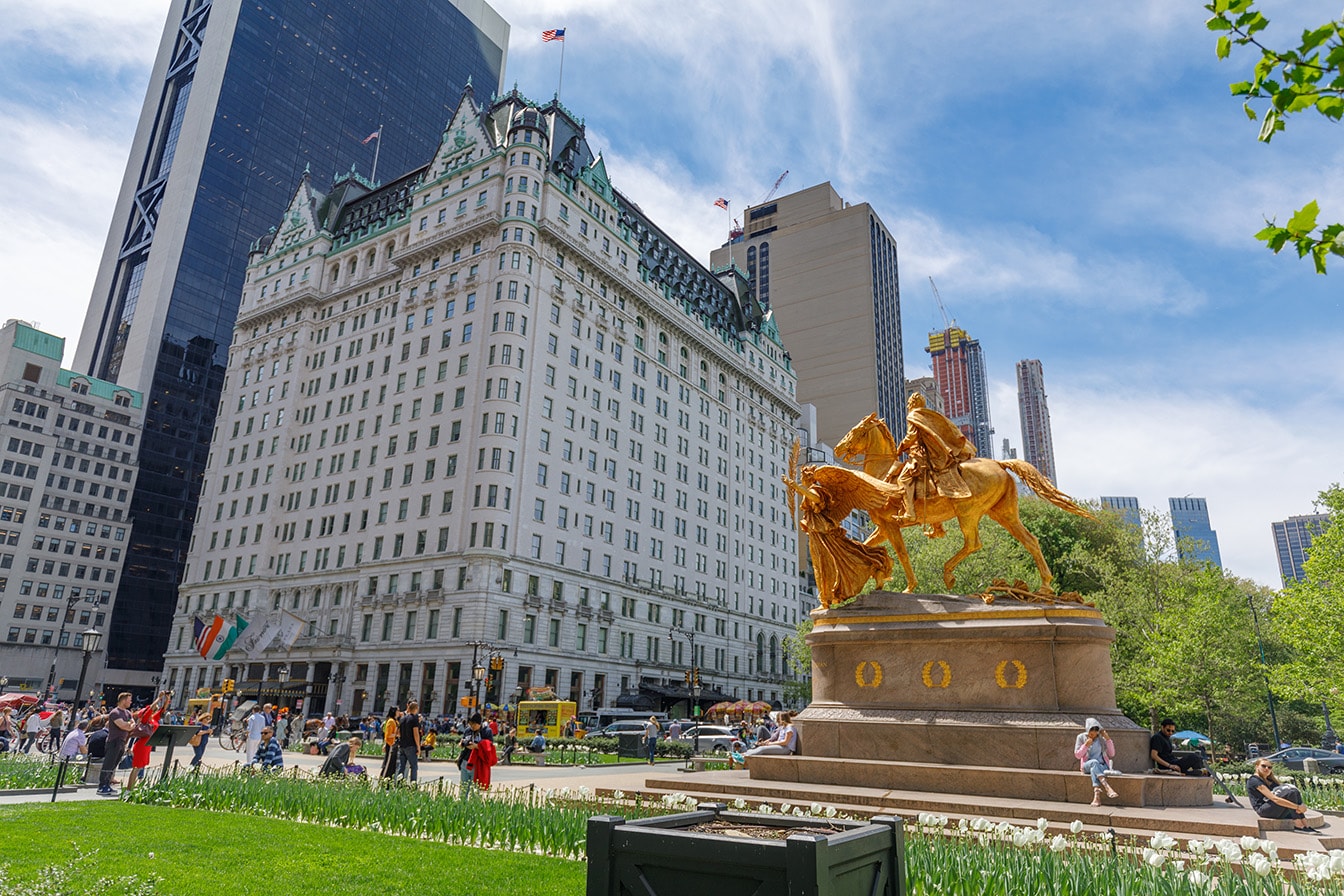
{"x": 993, "y": 493}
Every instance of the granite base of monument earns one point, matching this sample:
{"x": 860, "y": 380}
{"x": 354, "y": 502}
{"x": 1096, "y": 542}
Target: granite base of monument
{"x": 946, "y": 693}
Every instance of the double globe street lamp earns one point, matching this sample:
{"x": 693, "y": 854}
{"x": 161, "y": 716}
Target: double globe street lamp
{"x": 89, "y": 641}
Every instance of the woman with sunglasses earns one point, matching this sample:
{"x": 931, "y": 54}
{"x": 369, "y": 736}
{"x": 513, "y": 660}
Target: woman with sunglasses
{"x": 1270, "y": 798}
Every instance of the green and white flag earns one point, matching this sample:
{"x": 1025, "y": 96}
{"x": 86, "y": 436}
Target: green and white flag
{"x": 229, "y": 636}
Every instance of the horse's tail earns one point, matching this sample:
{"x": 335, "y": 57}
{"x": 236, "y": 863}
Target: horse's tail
{"x": 1043, "y": 487}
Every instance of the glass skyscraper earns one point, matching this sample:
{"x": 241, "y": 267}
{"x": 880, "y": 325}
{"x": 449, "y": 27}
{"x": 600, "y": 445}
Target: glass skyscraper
{"x": 245, "y": 95}
{"x": 1190, "y": 520}
{"x": 1292, "y": 540}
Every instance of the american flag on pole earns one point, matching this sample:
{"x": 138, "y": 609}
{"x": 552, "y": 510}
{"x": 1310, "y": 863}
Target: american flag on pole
{"x": 372, "y": 137}
{"x": 553, "y": 34}
{"x": 205, "y": 636}
{"x": 721, "y": 203}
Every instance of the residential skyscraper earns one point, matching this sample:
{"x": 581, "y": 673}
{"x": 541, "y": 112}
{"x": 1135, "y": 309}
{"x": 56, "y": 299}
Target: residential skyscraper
{"x": 959, "y": 369}
{"x": 68, "y": 468}
{"x": 1292, "y": 540}
{"x": 927, "y": 387}
{"x": 1190, "y": 520}
{"x": 1038, "y": 447}
{"x": 490, "y": 413}
{"x": 243, "y": 97}
{"x": 826, "y": 270}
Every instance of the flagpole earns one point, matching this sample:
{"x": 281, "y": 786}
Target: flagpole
{"x": 378, "y": 147}
{"x": 561, "y": 82}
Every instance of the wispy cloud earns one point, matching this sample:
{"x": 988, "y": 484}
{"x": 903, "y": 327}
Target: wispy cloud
{"x": 1019, "y": 263}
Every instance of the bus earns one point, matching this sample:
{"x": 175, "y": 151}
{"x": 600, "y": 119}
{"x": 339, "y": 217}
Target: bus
{"x": 545, "y": 716}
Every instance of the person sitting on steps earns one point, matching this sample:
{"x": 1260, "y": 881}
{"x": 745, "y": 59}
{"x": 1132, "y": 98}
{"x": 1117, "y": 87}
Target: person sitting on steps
{"x": 1095, "y": 750}
{"x": 1164, "y": 755}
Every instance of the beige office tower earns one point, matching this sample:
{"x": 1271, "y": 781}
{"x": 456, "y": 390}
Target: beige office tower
{"x": 827, "y": 271}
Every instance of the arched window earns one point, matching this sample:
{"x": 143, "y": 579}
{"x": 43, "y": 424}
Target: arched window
{"x": 760, "y": 652}
{"x": 685, "y": 361}
{"x": 774, "y": 655}
{"x": 704, "y": 376}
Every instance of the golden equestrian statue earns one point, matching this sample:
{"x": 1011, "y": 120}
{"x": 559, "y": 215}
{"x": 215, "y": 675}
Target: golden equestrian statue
{"x": 942, "y": 480}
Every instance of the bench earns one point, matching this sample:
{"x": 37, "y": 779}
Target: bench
{"x": 540, "y": 758}
{"x": 699, "y": 763}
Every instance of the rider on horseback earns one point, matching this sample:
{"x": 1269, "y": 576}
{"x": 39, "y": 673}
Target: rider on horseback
{"x": 936, "y": 446}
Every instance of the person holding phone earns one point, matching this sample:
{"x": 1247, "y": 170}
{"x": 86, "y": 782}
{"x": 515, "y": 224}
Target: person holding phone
{"x": 1095, "y": 750}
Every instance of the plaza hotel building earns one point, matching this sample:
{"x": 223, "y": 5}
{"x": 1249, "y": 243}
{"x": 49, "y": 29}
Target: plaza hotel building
{"x": 488, "y": 414}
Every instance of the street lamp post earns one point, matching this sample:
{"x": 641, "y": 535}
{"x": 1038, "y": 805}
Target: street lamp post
{"x": 478, "y": 669}
{"x": 89, "y": 640}
{"x": 1273, "y": 719}
{"x": 692, "y": 681}
{"x": 56, "y": 652}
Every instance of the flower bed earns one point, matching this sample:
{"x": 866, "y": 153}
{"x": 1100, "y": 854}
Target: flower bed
{"x": 518, "y": 819}
{"x": 979, "y": 857}
{"x": 24, "y": 773}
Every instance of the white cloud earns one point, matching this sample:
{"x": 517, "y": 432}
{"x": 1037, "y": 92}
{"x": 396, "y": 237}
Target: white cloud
{"x": 1019, "y": 263}
{"x": 1253, "y": 464}
{"x": 101, "y": 35}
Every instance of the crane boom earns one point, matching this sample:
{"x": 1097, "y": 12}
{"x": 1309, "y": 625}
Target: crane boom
{"x": 779, "y": 180}
{"x": 939, "y": 298}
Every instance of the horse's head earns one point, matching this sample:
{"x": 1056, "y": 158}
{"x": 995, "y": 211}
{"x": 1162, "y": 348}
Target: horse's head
{"x": 858, "y": 441}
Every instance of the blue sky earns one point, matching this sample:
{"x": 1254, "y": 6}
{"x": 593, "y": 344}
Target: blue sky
{"x": 1075, "y": 177}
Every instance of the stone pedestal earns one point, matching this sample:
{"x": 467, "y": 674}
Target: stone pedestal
{"x": 952, "y": 681}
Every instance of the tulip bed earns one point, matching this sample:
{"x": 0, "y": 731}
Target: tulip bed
{"x": 26, "y": 773}
{"x": 528, "y": 820}
{"x": 980, "y": 857}
{"x": 972, "y": 857}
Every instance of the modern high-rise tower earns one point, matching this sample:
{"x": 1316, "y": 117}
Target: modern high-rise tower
{"x": 1190, "y": 520}
{"x": 1125, "y": 505}
{"x": 1292, "y": 539}
{"x": 243, "y": 97}
{"x": 959, "y": 369}
{"x": 826, "y": 269}
{"x": 1038, "y": 448}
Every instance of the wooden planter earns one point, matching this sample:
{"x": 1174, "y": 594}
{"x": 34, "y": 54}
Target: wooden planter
{"x": 659, "y": 857}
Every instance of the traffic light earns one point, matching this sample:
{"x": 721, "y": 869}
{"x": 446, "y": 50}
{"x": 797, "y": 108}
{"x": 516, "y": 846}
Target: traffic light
{"x": 695, "y": 677}
{"x": 227, "y": 686}
{"x": 687, "y": 677}
{"x": 496, "y": 663}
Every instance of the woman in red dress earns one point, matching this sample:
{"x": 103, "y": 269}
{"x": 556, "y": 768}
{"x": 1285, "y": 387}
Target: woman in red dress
{"x": 148, "y": 717}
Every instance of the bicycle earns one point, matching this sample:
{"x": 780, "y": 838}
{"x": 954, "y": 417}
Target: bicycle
{"x": 49, "y": 741}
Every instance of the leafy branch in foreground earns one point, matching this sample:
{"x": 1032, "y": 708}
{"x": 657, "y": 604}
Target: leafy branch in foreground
{"x": 1307, "y": 77}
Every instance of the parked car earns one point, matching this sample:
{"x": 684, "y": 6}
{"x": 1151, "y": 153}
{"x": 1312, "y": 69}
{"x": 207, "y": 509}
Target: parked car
{"x": 629, "y": 726}
{"x": 1292, "y": 758}
{"x": 713, "y": 738}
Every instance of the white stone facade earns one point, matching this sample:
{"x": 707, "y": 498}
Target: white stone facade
{"x": 68, "y": 452}
{"x": 472, "y": 412}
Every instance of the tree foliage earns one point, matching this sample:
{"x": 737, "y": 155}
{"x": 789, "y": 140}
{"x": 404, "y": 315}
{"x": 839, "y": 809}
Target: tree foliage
{"x": 1309, "y": 617}
{"x": 1308, "y": 77}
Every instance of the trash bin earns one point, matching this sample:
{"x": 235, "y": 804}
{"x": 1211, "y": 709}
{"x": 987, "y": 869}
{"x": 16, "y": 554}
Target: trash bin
{"x": 1311, "y": 766}
{"x": 628, "y": 745}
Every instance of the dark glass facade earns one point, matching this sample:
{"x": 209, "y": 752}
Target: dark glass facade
{"x": 306, "y": 82}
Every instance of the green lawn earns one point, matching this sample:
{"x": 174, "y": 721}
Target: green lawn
{"x": 195, "y": 851}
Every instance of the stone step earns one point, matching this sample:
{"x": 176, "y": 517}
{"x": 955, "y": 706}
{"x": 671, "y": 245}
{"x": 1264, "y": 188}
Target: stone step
{"x": 1051, "y": 785}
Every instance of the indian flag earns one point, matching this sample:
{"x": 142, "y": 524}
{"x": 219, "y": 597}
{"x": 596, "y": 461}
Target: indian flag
{"x": 228, "y": 636}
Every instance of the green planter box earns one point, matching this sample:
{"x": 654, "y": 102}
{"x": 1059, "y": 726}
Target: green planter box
{"x": 661, "y": 857}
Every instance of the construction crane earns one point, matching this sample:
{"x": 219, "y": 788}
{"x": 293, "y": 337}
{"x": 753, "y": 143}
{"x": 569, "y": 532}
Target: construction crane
{"x": 775, "y": 189}
{"x": 934, "y": 286}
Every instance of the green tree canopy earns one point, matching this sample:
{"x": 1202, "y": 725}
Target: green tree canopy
{"x": 1307, "y": 77}
{"x": 1309, "y": 618}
